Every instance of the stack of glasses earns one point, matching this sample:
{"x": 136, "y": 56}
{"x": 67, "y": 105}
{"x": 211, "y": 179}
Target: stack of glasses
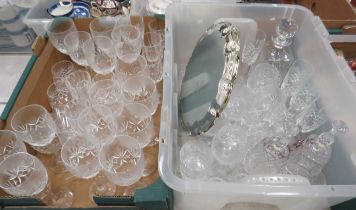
{"x": 275, "y": 122}
{"x": 99, "y": 123}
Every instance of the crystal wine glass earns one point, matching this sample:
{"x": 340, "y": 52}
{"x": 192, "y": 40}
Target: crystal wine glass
{"x": 279, "y": 53}
{"x": 96, "y": 122}
{"x": 141, "y": 89}
{"x": 74, "y": 45}
{"x": 22, "y": 174}
{"x": 80, "y": 157}
{"x": 136, "y": 121}
{"x": 108, "y": 93}
{"x": 122, "y": 160}
{"x": 34, "y": 125}
{"x": 10, "y": 144}
{"x": 100, "y": 54}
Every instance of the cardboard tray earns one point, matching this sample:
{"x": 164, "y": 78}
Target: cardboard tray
{"x": 337, "y": 15}
{"x": 31, "y": 89}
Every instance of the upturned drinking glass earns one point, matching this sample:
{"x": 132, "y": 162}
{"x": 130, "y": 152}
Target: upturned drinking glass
{"x": 58, "y": 29}
{"x": 141, "y": 89}
{"x": 136, "y": 121}
{"x": 100, "y": 54}
{"x": 229, "y": 145}
{"x": 128, "y": 42}
{"x": 22, "y": 174}
{"x": 108, "y": 93}
{"x": 80, "y": 157}
{"x": 34, "y": 125}
{"x": 96, "y": 123}
{"x": 122, "y": 160}
{"x": 102, "y": 26}
{"x": 125, "y": 70}
{"x": 61, "y": 69}
{"x": 74, "y": 45}
{"x": 10, "y": 144}
{"x": 196, "y": 160}
{"x": 79, "y": 83}
{"x": 58, "y": 95}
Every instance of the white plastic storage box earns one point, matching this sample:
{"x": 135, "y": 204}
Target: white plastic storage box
{"x": 185, "y": 23}
{"x": 37, "y": 17}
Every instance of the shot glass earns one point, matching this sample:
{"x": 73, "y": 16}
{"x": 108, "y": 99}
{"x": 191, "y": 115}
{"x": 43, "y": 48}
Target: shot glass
{"x": 62, "y": 69}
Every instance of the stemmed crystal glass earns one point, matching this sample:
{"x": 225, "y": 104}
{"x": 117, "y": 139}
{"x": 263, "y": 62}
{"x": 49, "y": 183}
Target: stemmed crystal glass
{"x": 122, "y": 160}
{"x": 107, "y": 92}
{"x": 102, "y": 26}
{"x": 297, "y": 76}
{"x": 22, "y": 174}
{"x": 141, "y": 89}
{"x": 10, "y": 144}
{"x": 96, "y": 122}
{"x": 58, "y": 29}
{"x": 74, "y": 45}
{"x": 79, "y": 83}
{"x": 34, "y": 125}
{"x": 100, "y": 54}
{"x": 125, "y": 70}
{"x": 80, "y": 156}
{"x": 279, "y": 53}
{"x": 136, "y": 121}
{"x": 62, "y": 69}
{"x": 128, "y": 42}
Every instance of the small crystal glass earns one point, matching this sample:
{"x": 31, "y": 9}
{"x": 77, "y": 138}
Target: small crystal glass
{"x": 80, "y": 157}
{"x": 108, "y": 93}
{"x": 74, "y": 45}
{"x": 79, "y": 83}
{"x": 96, "y": 122}
{"x": 152, "y": 46}
{"x": 141, "y": 89}
{"x": 138, "y": 22}
{"x": 22, "y": 174}
{"x": 100, "y": 54}
{"x": 122, "y": 160}
{"x": 136, "y": 121}
{"x": 34, "y": 125}
{"x": 102, "y": 26}
{"x": 229, "y": 145}
{"x": 10, "y": 144}
{"x": 58, "y": 95}
{"x": 196, "y": 160}
{"x": 126, "y": 70}
{"x": 263, "y": 76}
{"x": 58, "y": 29}
{"x": 128, "y": 42}
{"x": 62, "y": 69}
{"x": 253, "y": 48}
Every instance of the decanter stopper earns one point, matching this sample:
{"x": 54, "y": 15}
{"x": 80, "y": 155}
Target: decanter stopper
{"x": 285, "y": 31}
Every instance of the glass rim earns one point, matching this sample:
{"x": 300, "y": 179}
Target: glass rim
{"x": 97, "y": 21}
{"x": 70, "y": 21}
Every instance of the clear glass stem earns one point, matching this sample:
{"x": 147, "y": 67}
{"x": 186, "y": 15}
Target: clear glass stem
{"x": 62, "y": 197}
